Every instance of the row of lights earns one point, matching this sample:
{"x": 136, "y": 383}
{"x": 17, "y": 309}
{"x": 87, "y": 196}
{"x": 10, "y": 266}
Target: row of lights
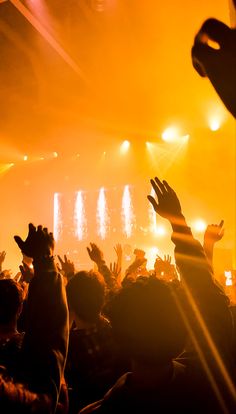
{"x": 169, "y": 135}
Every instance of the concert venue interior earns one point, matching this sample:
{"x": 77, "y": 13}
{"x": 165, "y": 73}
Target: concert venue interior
{"x": 97, "y": 97}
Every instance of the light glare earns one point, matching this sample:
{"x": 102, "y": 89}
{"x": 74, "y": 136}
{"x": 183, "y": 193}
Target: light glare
{"x": 160, "y": 231}
{"x": 170, "y": 134}
{"x": 125, "y": 146}
{"x": 214, "y": 124}
{"x": 228, "y": 276}
{"x": 199, "y": 226}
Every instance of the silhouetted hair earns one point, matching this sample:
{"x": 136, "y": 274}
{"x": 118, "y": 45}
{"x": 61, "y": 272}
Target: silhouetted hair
{"x": 146, "y": 321}
{"x": 11, "y": 298}
{"x": 85, "y": 295}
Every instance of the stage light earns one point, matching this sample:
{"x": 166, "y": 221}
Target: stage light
{"x": 55, "y": 154}
{"x": 57, "y": 217}
{"x": 214, "y": 124}
{"x": 124, "y": 146}
{"x": 170, "y": 134}
{"x": 102, "y": 214}
{"x": 228, "y": 277}
{"x": 127, "y": 212}
{"x": 80, "y": 220}
{"x": 25, "y": 158}
{"x": 160, "y": 231}
{"x": 199, "y": 226}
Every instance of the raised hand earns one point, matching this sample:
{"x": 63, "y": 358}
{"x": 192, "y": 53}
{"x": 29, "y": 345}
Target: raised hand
{"x": 27, "y": 272}
{"x": 38, "y": 244}
{"x": 167, "y": 204}
{"x": 163, "y": 265}
{"x": 217, "y": 64}
{"x": 134, "y": 267}
{"x": 118, "y": 250}
{"x": 214, "y": 232}
{"x": 2, "y": 257}
{"x": 6, "y": 274}
{"x": 115, "y": 270}
{"x": 67, "y": 266}
{"x": 164, "y": 268}
{"x": 95, "y": 254}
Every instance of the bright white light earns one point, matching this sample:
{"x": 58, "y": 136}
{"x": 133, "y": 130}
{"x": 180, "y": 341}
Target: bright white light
{"x": 25, "y": 158}
{"x": 127, "y": 212}
{"x": 214, "y": 123}
{"x": 199, "y": 226}
{"x": 102, "y": 214}
{"x": 151, "y": 254}
{"x": 124, "y": 146}
{"x": 57, "y": 217}
{"x": 79, "y": 216}
{"x": 55, "y": 154}
{"x": 229, "y": 280}
{"x": 160, "y": 231}
{"x": 170, "y": 134}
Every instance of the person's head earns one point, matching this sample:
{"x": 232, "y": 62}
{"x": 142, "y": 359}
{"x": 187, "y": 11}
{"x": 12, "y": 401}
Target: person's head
{"x": 11, "y": 299}
{"x": 147, "y": 323}
{"x": 85, "y": 295}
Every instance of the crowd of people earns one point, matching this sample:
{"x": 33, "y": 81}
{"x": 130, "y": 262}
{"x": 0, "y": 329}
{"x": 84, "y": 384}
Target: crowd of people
{"x": 113, "y": 341}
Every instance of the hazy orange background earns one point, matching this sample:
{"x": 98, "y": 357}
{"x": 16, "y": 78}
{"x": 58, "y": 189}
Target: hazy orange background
{"x": 136, "y": 80}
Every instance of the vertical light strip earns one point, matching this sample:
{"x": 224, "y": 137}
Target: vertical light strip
{"x": 79, "y": 217}
{"x": 102, "y": 214}
{"x": 127, "y": 212}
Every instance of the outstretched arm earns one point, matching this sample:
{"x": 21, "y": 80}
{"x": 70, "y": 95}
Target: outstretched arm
{"x": 213, "y": 233}
{"x": 2, "y": 258}
{"x": 46, "y": 339}
{"x": 189, "y": 254}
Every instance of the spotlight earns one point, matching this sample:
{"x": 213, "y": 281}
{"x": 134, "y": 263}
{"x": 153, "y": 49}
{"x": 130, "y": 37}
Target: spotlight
{"x": 170, "y": 134}
{"x": 25, "y": 158}
{"x": 228, "y": 277}
{"x": 160, "y": 231}
{"x": 214, "y": 124}
{"x": 55, "y": 154}
{"x": 124, "y": 146}
{"x": 199, "y": 226}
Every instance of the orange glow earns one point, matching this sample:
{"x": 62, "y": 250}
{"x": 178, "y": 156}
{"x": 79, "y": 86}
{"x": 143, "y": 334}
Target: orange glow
{"x": 77, "y": 82}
